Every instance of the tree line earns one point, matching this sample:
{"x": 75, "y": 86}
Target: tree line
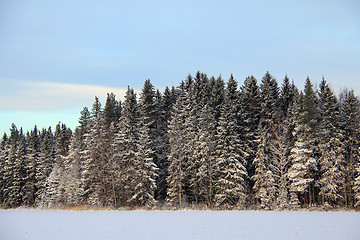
{"x": 203, "y": 144}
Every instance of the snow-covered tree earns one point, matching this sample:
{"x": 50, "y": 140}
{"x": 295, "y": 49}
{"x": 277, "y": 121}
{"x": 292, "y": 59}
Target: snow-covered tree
{"x": 55, "y": 185}
{"x": 304, "y": 163}
{"x": 14, "y": 172}
{"x": 33, "y": 158}
{"x": 331, "y": 148}
{"x": 205, "y": 152}
{"x": 97, "y": 177}
{"x": 350, "y": 124}
{"x": 153, "y": 122}
{"x": 135, "y": 171}
{"x": 231, "y": 159}
{"x": 143, "y": 183}
{"x": 251, "y": 109}
{"x": 266, "y": 162}
{"x": 176, "y": 158}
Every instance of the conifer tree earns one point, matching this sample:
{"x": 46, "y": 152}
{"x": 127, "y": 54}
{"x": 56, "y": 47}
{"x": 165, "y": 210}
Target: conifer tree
{"x": 150, "y": 110}
{"x": 304, "y": 164}
{"x": 3, "y": 143}
{"x": 217, "y": 95}
{"x": 55, "y": 185}
{"x": 73, "y": 169}
{"x": 145, "y": 173}
{"x": 285, "y": 141}
{"x": 19, "y": 171}
{"x": 33, "y": 158}
{"x": 351, "y": 125}
{"x": 231, "y": 182}
{"x": 331, "y": 149}
{"x": 12, "y": 173}
{"x": 267, "y": 159}
{"x": 45, "y": 164}
{"x": 206, "y": 153}
{"x": 176, "y": 157}
{"x": 250, "y": 111}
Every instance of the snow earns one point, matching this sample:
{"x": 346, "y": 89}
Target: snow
{"x": 172, "y": 225}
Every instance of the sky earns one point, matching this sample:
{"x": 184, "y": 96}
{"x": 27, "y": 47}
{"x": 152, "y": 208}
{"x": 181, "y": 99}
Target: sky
{"x": 55, "y": 56}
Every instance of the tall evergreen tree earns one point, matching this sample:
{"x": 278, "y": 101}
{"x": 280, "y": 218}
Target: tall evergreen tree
{"x": 331, "y": 148}
{"x": 3, "y": 143}
{"x": 205, "y": 152}
{"x": 45, "y": 164}
{"x": 351, "y": 125}
{"x": 250, "y": 110}
{"x": 304, "y": 162}
{"x": 231, "y": 183}
{"x": 176, "y": 158}
{"x": 13, "y": 169}
{"x": 151, "y": 112}
{"x": 266, "y": 162}
{"x": 96, "y": 188}
{"x": 31, "y": 196}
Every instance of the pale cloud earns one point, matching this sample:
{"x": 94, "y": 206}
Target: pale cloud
{"x": 19, "y": 95}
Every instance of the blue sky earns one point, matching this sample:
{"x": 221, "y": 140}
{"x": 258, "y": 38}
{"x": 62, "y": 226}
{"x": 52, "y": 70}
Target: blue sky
{"x": 55, "y": 56}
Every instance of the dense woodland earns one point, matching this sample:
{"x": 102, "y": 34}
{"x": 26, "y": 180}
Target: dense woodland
{"x": 204, "y": 144}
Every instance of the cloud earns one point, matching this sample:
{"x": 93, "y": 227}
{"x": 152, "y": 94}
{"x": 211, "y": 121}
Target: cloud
{"x": 19, "y": 95}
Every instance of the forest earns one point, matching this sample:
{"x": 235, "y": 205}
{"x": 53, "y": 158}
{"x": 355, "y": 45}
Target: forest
{"x": 205, "y": 144}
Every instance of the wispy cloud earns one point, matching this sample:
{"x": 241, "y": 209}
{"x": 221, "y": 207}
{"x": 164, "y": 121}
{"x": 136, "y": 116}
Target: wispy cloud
{"x": 19, "y": 95}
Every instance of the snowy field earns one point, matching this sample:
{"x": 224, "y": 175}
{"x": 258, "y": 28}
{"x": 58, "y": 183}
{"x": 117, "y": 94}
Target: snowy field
{"x": 171, "y": 225}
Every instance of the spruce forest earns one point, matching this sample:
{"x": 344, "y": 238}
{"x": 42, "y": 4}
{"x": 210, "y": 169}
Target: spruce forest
{"x": 206, "y": 144}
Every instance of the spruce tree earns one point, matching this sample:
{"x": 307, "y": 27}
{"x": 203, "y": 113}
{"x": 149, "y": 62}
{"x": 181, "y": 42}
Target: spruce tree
{"x": 267, "y": 158}
{"x": 12, "y": 170}
{"x": 145, "y": 173}
{"x": 55, "y": 185}
{"x": 205, "y": 152}
{"x": 231, "y": 182}
{"x": 45, "y": 164}
{"x": 250, "y": 111}
{"x": 3, "y": 144}
{"x": 331, "y": 148}
{"x": 31, "y": 195}
{"x": 304, "y": 158}
{"x": 176, "y": 157}
{"x": 350, "y": 124}
{"x": 151, "y": 121}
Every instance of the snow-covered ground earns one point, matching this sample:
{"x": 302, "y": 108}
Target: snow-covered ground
{"x": 171, "y": 225}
